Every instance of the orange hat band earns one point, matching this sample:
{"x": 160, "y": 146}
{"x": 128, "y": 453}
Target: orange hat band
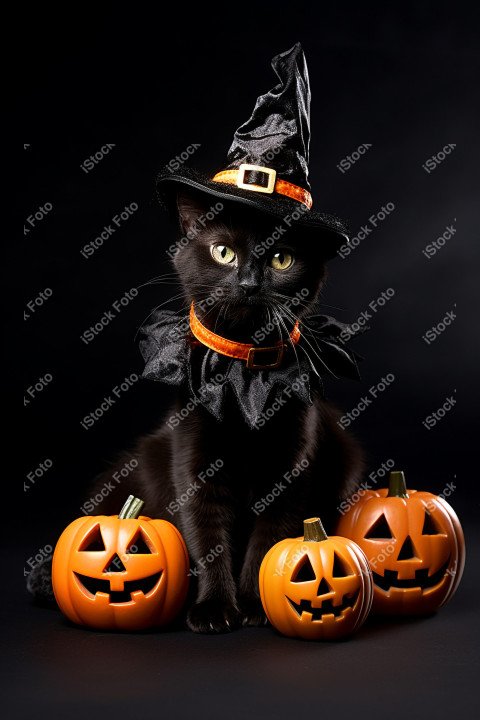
{"x": 249, "y": 352}
{"x": 274, "y": 184}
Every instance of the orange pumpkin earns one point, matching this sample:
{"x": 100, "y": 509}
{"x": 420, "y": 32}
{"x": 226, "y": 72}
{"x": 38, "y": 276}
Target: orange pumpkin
{"x": 120, "y": 572}
{"x": 316, "y": 587}
{"x": 414, "y": 543}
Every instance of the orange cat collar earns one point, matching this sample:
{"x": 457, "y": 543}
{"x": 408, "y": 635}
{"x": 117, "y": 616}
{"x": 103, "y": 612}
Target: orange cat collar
{"x": 241, "y": 351}
{"x": 274, "y": 184}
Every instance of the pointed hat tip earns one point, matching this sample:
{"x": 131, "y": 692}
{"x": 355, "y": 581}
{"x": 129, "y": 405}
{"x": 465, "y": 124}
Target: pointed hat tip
{"x": 295, "y": 50}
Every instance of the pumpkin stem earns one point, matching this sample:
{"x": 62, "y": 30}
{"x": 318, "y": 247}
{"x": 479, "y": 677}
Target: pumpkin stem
{"x": 397, "y": 486}
{"x": 131, "y": 509}
{"x": 313, "y": 530}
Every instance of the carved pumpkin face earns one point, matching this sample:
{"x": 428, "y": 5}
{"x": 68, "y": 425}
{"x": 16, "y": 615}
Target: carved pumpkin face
{"x": 315, "y": 589}
{"x": 414, "y": 546}
{"x": 112, "y": 573}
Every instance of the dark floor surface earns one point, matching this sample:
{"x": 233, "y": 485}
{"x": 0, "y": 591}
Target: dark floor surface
{"x": 392, "y": 669}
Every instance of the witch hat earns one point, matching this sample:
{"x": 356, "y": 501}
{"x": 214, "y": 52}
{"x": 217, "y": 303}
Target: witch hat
{"x": 267, "y": 163}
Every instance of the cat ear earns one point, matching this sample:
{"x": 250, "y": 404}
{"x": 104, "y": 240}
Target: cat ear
{"x": 189, "y": 208}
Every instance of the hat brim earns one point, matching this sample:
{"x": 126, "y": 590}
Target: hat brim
{"x": 333, "y": 231}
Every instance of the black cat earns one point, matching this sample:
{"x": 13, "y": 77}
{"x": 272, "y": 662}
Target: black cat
{"x": 235, "y": 486}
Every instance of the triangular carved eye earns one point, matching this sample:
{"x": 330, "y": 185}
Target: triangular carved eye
{"x": 429, "y": 527}
{"x": 94, "y": 541}
{"x": 340, "y": 567}
{"x": 304, "y": 571}
{"x": 139, "y": 545}
{"x": 379, "y": 530}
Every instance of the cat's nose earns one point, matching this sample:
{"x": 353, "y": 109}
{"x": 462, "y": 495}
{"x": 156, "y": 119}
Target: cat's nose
{"x": 249, "y": 286}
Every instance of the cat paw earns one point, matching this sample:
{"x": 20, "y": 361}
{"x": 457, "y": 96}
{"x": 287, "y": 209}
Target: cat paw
{"x": 39, "y": 583}
{"x": 252, "y": 612}
{"x": 213, "y": 616}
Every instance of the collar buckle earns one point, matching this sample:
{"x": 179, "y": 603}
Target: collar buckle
{"x": 272, "y": 176}
{"x": 253, "y": 351}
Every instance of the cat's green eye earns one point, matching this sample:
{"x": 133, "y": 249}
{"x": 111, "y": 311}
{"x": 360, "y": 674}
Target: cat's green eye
{"x": 223, "y": 254}
{"x": 282, "y": 260}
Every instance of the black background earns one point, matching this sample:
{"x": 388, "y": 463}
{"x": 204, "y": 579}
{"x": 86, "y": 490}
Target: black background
{"x": 401, "y": 77}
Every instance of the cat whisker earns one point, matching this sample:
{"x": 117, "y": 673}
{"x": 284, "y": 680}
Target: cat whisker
{"x": 289, "y": 339}
{"x": 322, "y": 304}
{"x": 289, "y": 299}
{"x": 166, "y": 276}
{"x": 226, "y": 307}
{"x": 305, "y": 326}
{"x": 316, "y": 302}
{"x": 305, "y": 333}
{"x": 175, "y": 297}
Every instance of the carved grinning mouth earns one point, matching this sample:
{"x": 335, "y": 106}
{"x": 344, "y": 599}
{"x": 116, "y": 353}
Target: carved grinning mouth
{"x": 94, "y": 585}
{"x": 327, "y": 608}
{"x": 421, "y": 580}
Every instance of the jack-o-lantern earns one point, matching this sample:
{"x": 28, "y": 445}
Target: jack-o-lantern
{"x": 316, "y": 587}
{"x": 120, "y": 572}
{"x": 414, "y": 543}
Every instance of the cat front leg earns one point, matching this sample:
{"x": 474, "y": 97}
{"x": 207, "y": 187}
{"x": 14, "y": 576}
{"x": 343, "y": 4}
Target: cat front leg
{"x": 271, "y": 526}
{"x": 206, "y": 526}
